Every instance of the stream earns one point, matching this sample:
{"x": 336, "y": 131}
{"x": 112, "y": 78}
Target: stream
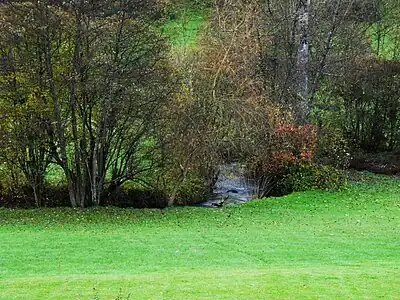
{"x": 232, "y": 187}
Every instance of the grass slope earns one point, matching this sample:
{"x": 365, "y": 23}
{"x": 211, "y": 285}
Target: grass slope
{"x": 183, "y": 29}
{"x": 313, "y": 245}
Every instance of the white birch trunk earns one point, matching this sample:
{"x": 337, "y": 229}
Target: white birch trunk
{"x": 303, "y": 105}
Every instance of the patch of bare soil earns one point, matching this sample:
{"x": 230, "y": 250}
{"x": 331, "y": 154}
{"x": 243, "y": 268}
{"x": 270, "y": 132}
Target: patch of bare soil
{"x": 380, "y": 163}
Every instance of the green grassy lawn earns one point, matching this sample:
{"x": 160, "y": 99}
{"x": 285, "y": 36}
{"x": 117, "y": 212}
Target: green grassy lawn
{"x": 388, "y": 44}
{"x": 183, "y": 31}
{"x": 312, "y": 245}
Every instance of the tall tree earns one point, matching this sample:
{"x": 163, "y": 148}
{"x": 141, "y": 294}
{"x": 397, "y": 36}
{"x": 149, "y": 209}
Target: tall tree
{"x": 302, "y": 60}
{"x": 105, "y": 71}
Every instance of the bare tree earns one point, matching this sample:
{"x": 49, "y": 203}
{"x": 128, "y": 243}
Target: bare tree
{"x": 299, "y": 49}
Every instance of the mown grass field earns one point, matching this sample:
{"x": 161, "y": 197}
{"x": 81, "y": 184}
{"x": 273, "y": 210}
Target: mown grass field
{"x": 312, "y": 245}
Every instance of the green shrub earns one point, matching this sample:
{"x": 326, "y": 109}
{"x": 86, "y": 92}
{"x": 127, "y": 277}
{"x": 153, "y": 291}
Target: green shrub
{"x": 311, "y": 176}
{"x": 333, "y": 149}
{"x": 193, "y": 189}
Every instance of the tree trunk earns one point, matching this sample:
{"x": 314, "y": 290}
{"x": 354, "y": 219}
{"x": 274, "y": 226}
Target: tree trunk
{"x": 76, "y": 66}
{"x": 301, "y": 77}
{"x": 56, "y": 107}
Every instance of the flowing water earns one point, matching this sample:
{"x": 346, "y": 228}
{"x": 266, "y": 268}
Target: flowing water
{"x": 232, "y": 187}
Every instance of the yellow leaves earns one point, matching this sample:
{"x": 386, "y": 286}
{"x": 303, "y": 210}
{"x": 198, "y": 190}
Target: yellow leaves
{"x": 33, "y": 108}
{"x": 14, "y": 78}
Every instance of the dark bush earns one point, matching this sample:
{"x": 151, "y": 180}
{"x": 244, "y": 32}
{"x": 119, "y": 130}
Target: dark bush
{"x": 136, "y": 198}
{"x": 370, "y": 94}
{"x": 57, "y": 196}
{"x": 53, "y": 196}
